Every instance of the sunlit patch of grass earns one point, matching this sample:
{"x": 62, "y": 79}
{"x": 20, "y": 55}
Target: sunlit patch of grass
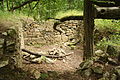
{"x": 104, "y": 24}
{"x": 62, "y": 14}
{"x": 112, "y": 26}
{"x": 12, "y": 16}
{"x": 6, "y": 15}
{"x": 114, "y": 41}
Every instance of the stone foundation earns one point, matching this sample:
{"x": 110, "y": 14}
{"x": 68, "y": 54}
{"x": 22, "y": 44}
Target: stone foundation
{"x": 44, "y": 34}
{"x": 10, "y": 44}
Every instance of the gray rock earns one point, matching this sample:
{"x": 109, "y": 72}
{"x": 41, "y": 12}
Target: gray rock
{"x": 112, "y": 61}
{"x": 86, "y": 72}
{"x": 11, "y": 32}
{"x": 35, "y": 73}
{"x": 48, "y": 60}
{"x": 10, "y": 43}
{"x": 4, "y": 33}
{"x": 4, "y": 62}
{"x": 37, "y": 60}
{"x": 1, "y": 41}
{"x": 64, "y": 38}
{"x": 117, "y": 70}
{"x": 86, "y": 64}
{"x": 113, "y": 77}
{"x": 95, "y": 58}
{"x": 98, "y": 52}
{"x": 97, "y": 69}
{"x": 104, "y": 58}
{"x": 52, "y": 73}
{"x": 58, "y": 38}
{"x": 1, "y": 46}
{"x": 32, "y": 56}
{"x": 106, "y": 74}
{"x": 103, "y": 78}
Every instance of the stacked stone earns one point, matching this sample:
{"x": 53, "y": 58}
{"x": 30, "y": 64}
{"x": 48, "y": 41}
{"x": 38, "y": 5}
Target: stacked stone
{"x": 102, "y": 66}
{"x": 10, "y": 47}
{"x": 72, "y": 31}
{"x": 37, "y": 34}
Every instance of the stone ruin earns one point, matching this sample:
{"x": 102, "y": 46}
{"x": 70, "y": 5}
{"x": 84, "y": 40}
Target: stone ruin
{"x": 12, "y": 33}
{"x": 10, "y": 43}
{"x": 44, "y": 34}
{"x": 40, "y": 34}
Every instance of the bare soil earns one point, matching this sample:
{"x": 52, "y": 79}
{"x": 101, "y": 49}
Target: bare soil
{"x": 64, "y": 69}
{"x": 70, "y": 63}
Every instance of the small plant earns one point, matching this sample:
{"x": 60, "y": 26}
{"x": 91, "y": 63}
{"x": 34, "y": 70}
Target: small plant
{"x": 113, "y": 40}
{"x": 102, "y": 45}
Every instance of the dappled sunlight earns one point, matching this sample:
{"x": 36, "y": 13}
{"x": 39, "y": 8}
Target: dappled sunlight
{"x": 62, "y": 14}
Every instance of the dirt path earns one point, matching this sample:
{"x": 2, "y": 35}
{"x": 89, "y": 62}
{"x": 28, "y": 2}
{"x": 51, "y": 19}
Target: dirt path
{"x": 66, "y": 66}
{"x": 69, "y": 63}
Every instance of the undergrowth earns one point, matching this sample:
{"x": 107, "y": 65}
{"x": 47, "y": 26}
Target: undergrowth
{"x": 104, "y": 24}
{"x": 113, "y": 27}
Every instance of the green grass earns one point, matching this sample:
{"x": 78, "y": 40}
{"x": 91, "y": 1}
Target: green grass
{"x": 108, "y": 25}
{"x": 62, "y": 14}
{"x": 104, "y": 24}
{"x": 7, "y": 15}
{"x": 12, "y": 16}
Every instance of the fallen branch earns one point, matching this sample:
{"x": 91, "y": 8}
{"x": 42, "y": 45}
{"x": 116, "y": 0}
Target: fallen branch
{"x": 39, "y": 55}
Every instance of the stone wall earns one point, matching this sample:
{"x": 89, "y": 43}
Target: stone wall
{"x": 10, "y": 44}
{"x": 43, "y": 33}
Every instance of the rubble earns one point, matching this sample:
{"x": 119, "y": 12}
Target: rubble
{"x": 46, "y": 34}
{"x": 102, "y": 66}
{"x": 55, "y": 53}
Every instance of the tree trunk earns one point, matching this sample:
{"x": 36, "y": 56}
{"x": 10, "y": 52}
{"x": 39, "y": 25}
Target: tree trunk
{"x": 88, "y": 29}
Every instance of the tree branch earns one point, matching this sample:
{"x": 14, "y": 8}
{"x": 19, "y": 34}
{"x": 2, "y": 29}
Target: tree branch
{"x": 103, "y": 4}
{"x": 23, "y": 4}
{"x": 39, "y": 55}
{"x": 107, "y": 3}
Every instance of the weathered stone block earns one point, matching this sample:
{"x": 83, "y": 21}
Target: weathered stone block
{"x": 10, "y": 44}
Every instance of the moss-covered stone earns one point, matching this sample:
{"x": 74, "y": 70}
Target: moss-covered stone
{"x": 117, "y": 70}
{"x": 86, "y": 73}
{"x": 10, "y": 43}
{"x": 113, "y": 77}
{"x": 97, "y": 69}
{"x": 86, "y": 64}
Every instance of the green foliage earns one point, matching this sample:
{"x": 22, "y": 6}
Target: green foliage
{"x": 104, "y": 24}
{"x": 44, "y": 76}
{"x": 42, "y": 9}
{"x": 112, "y": 26}
{"x": 62, "y": 14}
{"x": 103, "y": 44}
{"x": 113, "y": 40}
{"x": 5, "y": 15}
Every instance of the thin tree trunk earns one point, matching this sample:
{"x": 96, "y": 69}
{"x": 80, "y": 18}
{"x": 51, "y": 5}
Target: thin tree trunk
{"x": 7, "y": 2}
{"x": 88, "y": 29}
{"x": 2, "y": 5}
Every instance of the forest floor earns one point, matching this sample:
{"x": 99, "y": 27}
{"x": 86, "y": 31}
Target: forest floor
{"x": 42, "y": 38}
{"x": 70, "y": 63}
{"x": 63, "y": 69}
